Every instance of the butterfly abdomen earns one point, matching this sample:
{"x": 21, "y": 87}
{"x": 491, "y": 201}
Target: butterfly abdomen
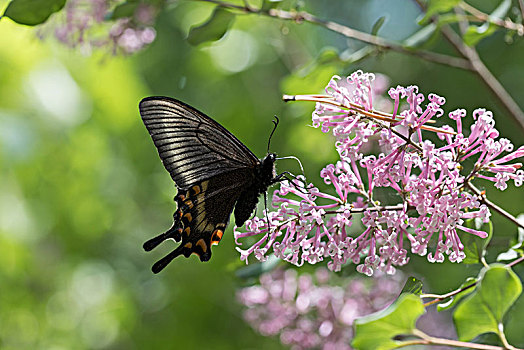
{"x": 264, "y": 176}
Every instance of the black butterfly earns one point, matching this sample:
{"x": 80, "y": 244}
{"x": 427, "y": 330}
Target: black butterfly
{"x": 213, "y": 171}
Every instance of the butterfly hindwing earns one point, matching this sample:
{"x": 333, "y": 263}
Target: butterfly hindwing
{"x": 202, "y": 216}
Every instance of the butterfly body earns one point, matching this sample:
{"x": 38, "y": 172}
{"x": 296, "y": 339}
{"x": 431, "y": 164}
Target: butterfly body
{"x": 213, "y": 172}
{"x": 264, "y": 176}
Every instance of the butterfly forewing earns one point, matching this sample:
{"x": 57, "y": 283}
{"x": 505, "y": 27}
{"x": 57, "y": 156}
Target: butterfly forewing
{"x": 192, "y": 146}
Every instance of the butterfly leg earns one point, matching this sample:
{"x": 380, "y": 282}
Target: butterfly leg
{"x": 286, "y": 175}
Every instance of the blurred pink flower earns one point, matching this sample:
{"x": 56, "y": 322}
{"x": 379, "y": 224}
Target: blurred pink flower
{"x": 87, "y": 24}
{"x": 311, "y": 311}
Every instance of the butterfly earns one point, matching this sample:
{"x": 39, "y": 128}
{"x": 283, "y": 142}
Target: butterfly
{"x": 213, "y": 171}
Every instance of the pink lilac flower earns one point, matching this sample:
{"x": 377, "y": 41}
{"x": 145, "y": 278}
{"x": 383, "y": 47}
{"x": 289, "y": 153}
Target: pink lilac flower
{"x": 432, "y": 201}
{"x": 86, "y": 24}
{"x": 317, "y": 311}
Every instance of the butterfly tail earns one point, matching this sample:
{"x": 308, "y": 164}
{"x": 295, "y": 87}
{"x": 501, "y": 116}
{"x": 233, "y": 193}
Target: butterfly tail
{"x": 174, "y": 232}
{"x": 162, "y": 263}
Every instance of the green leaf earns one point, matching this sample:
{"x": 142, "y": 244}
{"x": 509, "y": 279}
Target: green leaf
{"x": 476, "y": 33}
{"x": 125, "y": 10}
{"x": 255, "y": 270}
{"x": 327, "y": 55}
{"x": 379, "y": 330}
{"x": 378, "y": 24}
{"x": 213, "y": 29}
{"x": 457, "y": 297}
{"x": 474, "y": 246}
{"x": 484, "y": 309}
{"x": 30, "y": 12}
{"x": 270, "y": 4}
{"x": 413, "y": 286}
{"x": 438, "y": 6}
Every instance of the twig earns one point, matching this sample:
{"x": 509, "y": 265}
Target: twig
{"x": 481, "y": 70}
{"x": 492, "y": 205}
{"x": 485, "y": 75}
{"x": 484, "y": 17}
{"x": 516, "y": 261}
{"x": 437, "y": 298}
{"x": 350, "y": 33}
{"x": 456, "y": 343}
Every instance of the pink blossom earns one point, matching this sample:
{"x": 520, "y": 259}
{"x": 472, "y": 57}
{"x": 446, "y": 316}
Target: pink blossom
{"x": 431, "y": 201}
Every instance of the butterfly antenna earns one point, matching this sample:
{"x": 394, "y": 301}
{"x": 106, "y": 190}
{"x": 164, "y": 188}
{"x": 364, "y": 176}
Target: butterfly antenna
{"x": 298, "y": 160}
{"x": 275, "y": 122}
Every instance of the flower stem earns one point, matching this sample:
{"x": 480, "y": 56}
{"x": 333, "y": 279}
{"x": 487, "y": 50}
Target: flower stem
{"x": 438, "y": 298}
{"x": 429, "y": 340}
{"x": 493, "y": 206}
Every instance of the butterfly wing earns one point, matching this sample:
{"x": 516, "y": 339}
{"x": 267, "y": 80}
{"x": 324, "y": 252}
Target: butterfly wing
{"x": 202, "y": 216}
{"x": 210, "y": 167}
{"x": 192, "y": 146}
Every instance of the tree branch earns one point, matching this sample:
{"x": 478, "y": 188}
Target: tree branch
{"x": 486, "y": 76}
{"x": 350, "y": 33}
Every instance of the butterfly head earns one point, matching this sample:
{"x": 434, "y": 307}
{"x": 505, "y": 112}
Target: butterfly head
{"x": 267, "y": 167}
{"x": 270, "y": 158}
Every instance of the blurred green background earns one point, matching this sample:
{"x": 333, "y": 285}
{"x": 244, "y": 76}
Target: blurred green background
{"x": 82, "y": 186}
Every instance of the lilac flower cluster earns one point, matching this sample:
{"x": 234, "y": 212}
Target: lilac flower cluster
{"x": 432, "y": 190}
{"x": 85, "y": 24}
{"x": 311, "y": 312}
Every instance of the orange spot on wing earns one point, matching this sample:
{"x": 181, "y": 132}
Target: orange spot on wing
{"x": 187, "y": 231}
{"x": 188, "y": 217}
{"x": 196, "y": 189}
{"x": 188, "y": 245}
{"x": 216, "y": 237}
{"x": 202, "y": 244}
